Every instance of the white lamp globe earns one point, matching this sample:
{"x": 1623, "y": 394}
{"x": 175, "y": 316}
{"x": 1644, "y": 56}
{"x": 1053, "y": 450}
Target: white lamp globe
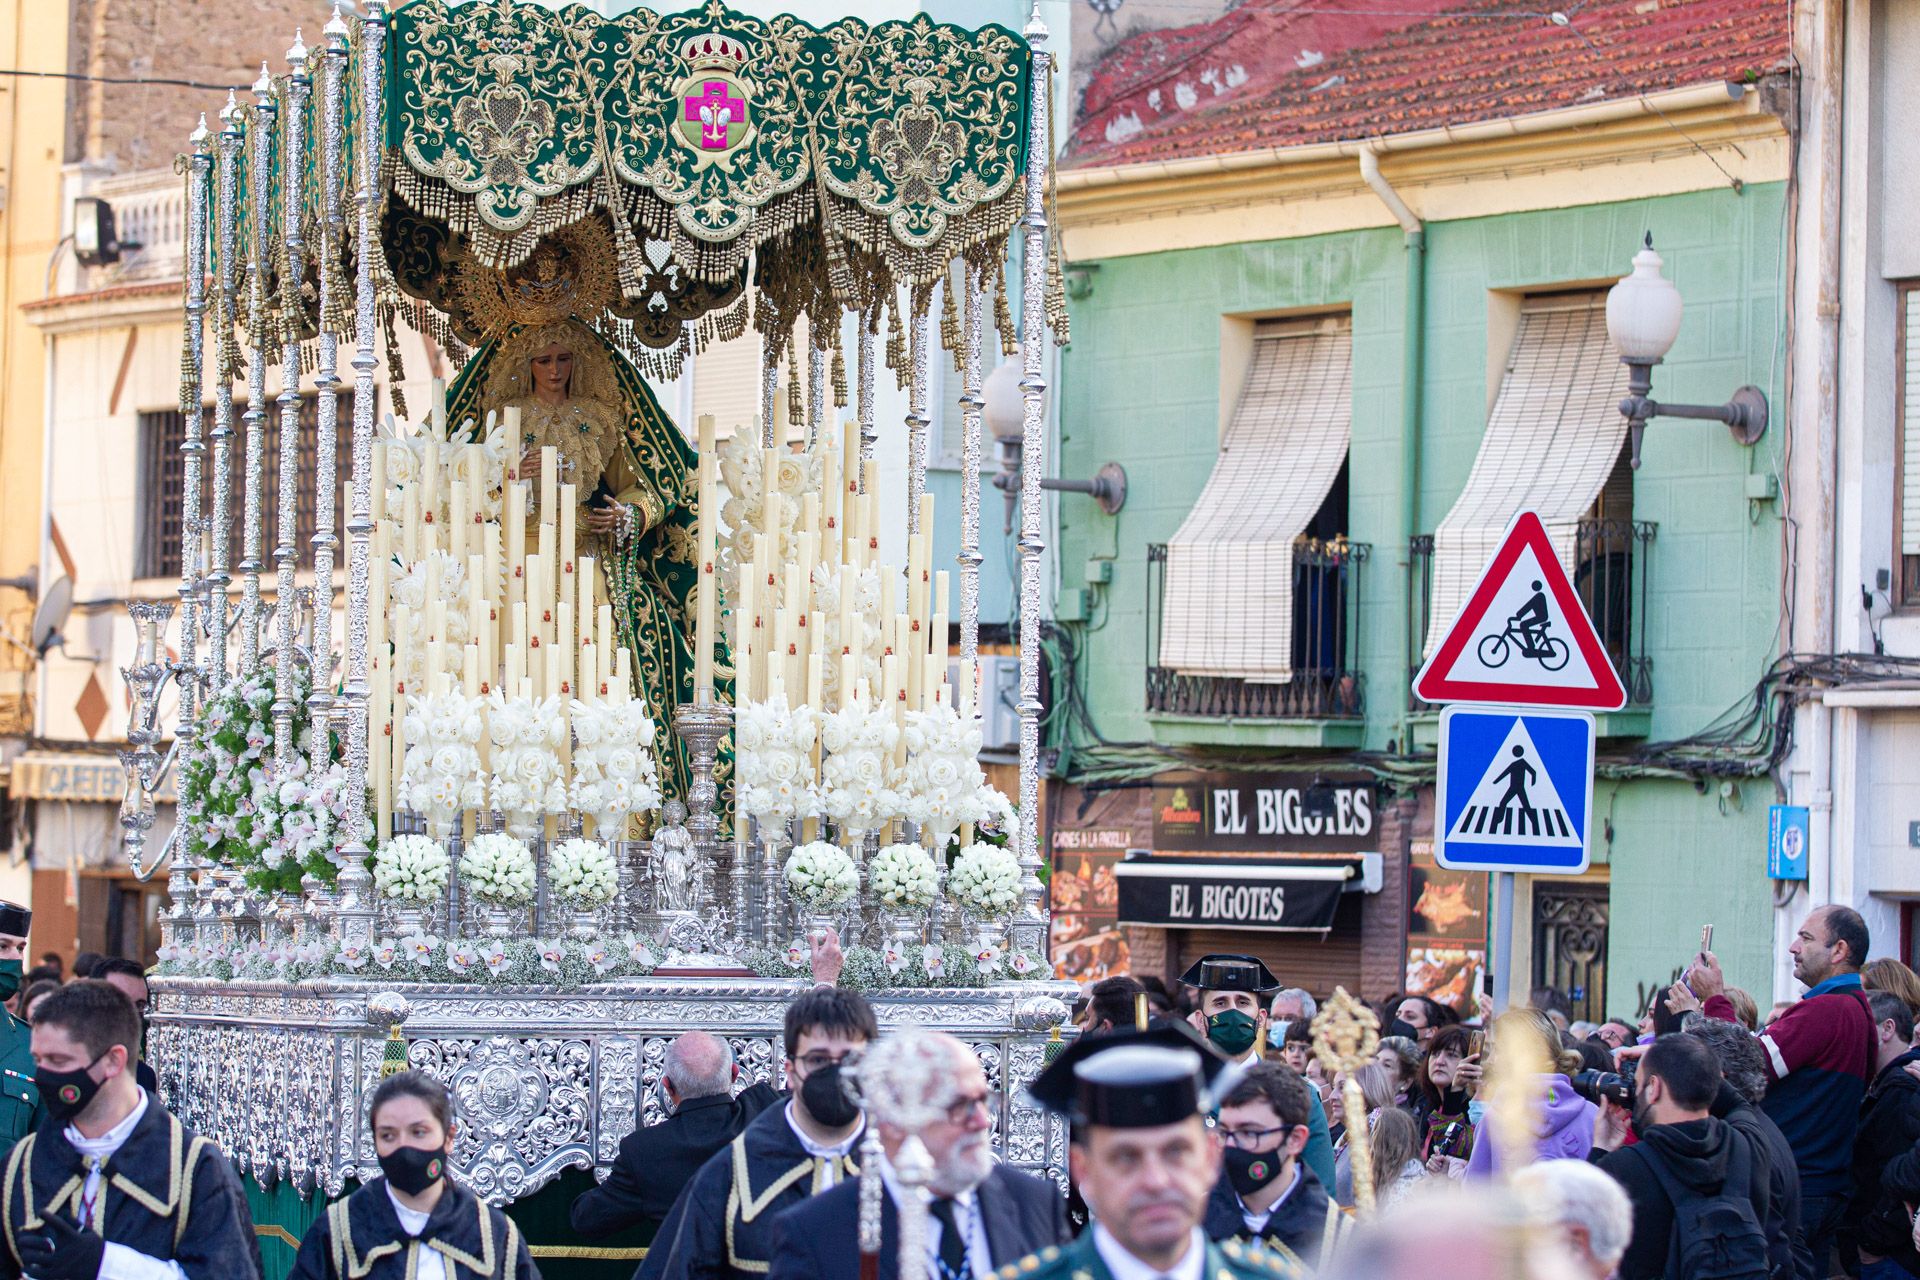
{"x": 1004, "y": 405}
{"x": 1643, "y": 311}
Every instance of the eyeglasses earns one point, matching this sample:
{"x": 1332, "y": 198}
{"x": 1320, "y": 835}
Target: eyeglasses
{"x": 813, "y": 1062}
{"x": 1246, "y": 1139}
{"x": 962, "y": 1111}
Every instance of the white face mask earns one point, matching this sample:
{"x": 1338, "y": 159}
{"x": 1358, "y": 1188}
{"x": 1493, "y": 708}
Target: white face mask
{"x": 1277, "y": 1032}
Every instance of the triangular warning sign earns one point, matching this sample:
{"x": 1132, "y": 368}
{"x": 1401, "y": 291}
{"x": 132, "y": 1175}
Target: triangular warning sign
{"x": 1523, "y": 638}
{"x": 1515, "y": 801}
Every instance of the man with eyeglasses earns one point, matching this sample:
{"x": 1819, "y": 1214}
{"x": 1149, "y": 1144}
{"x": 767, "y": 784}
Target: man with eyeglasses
{"x": 721, "y": 1227}
{"x": 1266, "y": 1193}
{"x": 983, "y": 1215}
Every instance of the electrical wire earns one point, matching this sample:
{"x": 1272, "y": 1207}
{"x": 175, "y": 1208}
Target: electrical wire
{"x": 123, "y": 80}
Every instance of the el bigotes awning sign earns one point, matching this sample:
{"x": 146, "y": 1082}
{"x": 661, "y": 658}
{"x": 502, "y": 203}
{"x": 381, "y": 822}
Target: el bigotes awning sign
{"x": 1264, "y": 813}
{"x": 1234, "y": 893}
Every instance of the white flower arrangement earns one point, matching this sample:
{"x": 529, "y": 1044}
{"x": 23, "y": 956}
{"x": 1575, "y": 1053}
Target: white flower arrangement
{"x": 459, "y": 460}
{"x": 829, "y": 582}
{"x": 301, "y": 816}
{"x": 943, "y": 783}
{"x": 902, "y": 877}
{"x": 440, "y": 774}
{"x": 528, "y": 779}
{"x": 412, "y": 869}
{"x": 985, "y": 879}
{"x": 858, "y": 783}
{"x": 583, "y": 872}
{"x": 820, "y": 875}
{"x": 743, "y": 511}
{"x": 614, "y": 774}
{"x": 437, "y": 576}
{"x": 773, "y": 767}
{"x": 499, "y": 869}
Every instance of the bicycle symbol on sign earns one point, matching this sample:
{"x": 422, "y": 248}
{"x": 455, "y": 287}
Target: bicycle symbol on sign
{"x": 1526, "y": 630}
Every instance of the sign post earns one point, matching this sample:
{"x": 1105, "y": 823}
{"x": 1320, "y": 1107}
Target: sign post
{"x": 1524, "y": 669}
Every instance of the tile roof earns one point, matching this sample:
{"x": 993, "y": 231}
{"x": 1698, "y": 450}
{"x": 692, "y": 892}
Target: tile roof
{"x": 1278, "y": 73}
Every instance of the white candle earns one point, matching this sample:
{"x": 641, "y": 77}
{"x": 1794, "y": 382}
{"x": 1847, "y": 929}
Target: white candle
{"x": 708, "y": 584}
{"x": 549, "y": 482}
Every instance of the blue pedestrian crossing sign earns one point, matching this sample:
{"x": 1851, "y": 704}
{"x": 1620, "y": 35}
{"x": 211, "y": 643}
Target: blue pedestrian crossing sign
{"x": 1515, "y": 789}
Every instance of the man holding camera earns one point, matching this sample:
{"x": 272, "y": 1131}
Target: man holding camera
{"x": 1696, "y": 1204}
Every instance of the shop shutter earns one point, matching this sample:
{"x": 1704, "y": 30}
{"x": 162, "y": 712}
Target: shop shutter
{"x": 1317, "y": 963}
{"x": 1229, "y": 577}
{"x": 1550, "y": 444}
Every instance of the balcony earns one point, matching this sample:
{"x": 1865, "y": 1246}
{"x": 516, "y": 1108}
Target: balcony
{"x": 1611, "y": 578}
{"x": 150, "y": 212}
{"x": 1322, "y": 702}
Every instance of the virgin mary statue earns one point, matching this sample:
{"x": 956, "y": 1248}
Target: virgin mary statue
{"x": 636, "y": 479}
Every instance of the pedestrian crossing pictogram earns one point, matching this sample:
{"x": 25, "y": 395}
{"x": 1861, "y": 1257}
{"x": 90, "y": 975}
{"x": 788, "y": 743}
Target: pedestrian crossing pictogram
{"x": 1515, "y": 789}
{"x": 1516, "y": 800}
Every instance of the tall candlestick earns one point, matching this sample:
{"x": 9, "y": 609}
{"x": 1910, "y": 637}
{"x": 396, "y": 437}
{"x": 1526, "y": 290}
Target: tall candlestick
{"x": 569, "y": 545}
{"x": 743, "y": 628}
{"x": 549, "y": 482}
{"x": 516, "y": 532}
{"x": 563, "y": 644}
{"x": 708, "y": 584}
{"x": 589, "y": 673}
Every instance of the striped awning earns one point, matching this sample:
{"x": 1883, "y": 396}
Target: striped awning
{"x": 74, "y": 775}
{"x": 1228, "y": 603}
{"x": 1553, "y": 438}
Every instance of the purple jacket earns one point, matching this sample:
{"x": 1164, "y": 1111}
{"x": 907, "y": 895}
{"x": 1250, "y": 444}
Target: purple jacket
{"x": 1563, "y": 1131}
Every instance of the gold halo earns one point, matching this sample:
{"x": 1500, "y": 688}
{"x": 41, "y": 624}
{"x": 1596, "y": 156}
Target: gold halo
{"x": 569, "y": 275}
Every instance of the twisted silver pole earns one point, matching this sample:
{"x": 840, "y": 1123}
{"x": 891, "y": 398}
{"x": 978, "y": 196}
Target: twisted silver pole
{"x": 769, "y": 393}
{"x": 1029, "y": 926}
{"x": 326, "y": 479}
{"x": 816, "y": 393}
{"x": 863, "y": 395}
{"x": 226, "y": 220}
{"x": 264, "y": 111}
{"x": 969, "y": 559}
{"x": 192, "y": 416}
{"x": 918, "y": 338}
{"x": 286, "y": 552}
{"x": 355, "y": 910}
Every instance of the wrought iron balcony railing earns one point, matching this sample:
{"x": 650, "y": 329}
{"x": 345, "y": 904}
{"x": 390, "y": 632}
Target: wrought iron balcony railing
{"x": 1325, "y": 681}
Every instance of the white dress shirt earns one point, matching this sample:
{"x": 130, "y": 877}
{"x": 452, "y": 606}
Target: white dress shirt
{"x": 966, "y": 1212}
{"x": 119, "y": 1262}
{"x": 828, "y": 1174}
{"x": 1257, "y": 1222}
{"x": 432, "y": 1264}
{"x": 1124, "y": 1266}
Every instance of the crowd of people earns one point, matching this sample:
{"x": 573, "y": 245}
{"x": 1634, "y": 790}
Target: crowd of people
{"x": 1207, "y": 1139}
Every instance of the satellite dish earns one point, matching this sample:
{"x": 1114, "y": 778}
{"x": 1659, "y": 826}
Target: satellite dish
{"x": 50, "y": 616}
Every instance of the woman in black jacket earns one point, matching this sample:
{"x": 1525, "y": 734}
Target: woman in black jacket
{"x": 413, "y": 1222}
{"x": 1447, "y": 1082}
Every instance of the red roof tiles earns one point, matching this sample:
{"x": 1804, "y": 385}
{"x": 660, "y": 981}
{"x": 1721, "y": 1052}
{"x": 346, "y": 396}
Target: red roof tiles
{"x": 1278, "y": 73}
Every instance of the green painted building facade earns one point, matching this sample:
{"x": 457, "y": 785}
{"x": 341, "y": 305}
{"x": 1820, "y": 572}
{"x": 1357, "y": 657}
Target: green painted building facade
{"x": 1141, "y": 384}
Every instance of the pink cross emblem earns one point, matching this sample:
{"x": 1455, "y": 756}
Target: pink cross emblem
{"x": 714, "y": 110}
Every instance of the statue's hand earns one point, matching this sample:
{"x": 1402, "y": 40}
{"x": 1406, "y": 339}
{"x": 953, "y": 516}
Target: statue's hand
{"x": 528, "y": 468}
{"x": 603, "y": 517}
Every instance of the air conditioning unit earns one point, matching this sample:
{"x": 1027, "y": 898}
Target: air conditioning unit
{"x": 999, "y": 700}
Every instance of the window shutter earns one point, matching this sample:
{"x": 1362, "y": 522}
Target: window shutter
{"x": 1550, "y": 444}
{"x": 1228, "y": 608}
{"x": 1910, "y": 427}
{"x": 726, "y": 384}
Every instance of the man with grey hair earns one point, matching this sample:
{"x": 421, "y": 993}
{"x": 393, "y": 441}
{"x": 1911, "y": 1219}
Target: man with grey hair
{"x": 1291, "y": 1004}
{"x": 695, "y": 1089}
{"x": 1743, "y": 1082}
{"x": 929, "y": 1086}
{"x": 1586, "y": 1207}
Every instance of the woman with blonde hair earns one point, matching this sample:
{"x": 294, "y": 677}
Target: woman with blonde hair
{"x": 1888, "y": 974}
{"x": 1562, "y": 1119}
{"x": 1396, "y": 1156}
{"x": 1377, "y": 1092}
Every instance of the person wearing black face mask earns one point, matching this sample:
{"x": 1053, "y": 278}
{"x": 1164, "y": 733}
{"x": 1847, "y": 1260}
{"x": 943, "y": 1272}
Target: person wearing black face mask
{"x": 721, "y": 1227}
{"x": 413, "y": 1222}
{"x": 20, "y": 1108}
{"x": 1266, "y": 1193}
{"x": 112, "y": 1184}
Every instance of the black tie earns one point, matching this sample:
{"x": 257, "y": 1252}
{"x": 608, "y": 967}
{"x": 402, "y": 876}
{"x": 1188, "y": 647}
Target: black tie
{"x": 953, "y": 1245}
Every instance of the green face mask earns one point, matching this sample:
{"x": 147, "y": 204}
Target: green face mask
{"x": 1232, "y": 1031}
{"x": 9, "y": 979}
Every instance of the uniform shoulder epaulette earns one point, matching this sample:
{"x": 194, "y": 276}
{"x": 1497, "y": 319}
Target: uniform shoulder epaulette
{"x": 1031, "y": 1265}
{"x": 1258, "y": 1260}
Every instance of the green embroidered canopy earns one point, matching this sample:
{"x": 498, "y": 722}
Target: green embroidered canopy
{"x": 886, "y": 150}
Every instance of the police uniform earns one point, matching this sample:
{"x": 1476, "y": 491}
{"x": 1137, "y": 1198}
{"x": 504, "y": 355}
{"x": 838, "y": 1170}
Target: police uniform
{"x": 20, "y": 1109}
{"x": 1139, "y": 1080}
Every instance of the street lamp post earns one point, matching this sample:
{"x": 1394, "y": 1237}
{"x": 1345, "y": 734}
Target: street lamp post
{"x": 1643, "y": 319}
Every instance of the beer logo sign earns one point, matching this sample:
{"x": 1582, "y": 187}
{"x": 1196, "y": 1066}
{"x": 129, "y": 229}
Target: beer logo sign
{"x": 713, "y": 115}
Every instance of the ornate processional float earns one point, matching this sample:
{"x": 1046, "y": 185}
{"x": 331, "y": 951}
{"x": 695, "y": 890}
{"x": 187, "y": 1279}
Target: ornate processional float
{"x": 614, "y": 724}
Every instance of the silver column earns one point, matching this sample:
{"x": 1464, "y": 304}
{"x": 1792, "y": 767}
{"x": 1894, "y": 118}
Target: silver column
{"x": 1029, "y": 926}
{"x": 192, "y": 397}
{"x": 226, "y": 220}
{"x": 355, "y": 909}
{"x": 770, "y": 431}
{"x": 261, "y": 218}
{"x": 326, "y": 479}
{"x": 286, "y": 553}
{"x": 816, "y": 393}
{"x": 863, "y": 395}
{"x": 971, "y": 404}
{"x": 918, "y": 340}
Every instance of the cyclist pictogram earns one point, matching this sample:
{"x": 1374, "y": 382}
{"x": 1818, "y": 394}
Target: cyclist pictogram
{"x": 1527, "y": 631}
